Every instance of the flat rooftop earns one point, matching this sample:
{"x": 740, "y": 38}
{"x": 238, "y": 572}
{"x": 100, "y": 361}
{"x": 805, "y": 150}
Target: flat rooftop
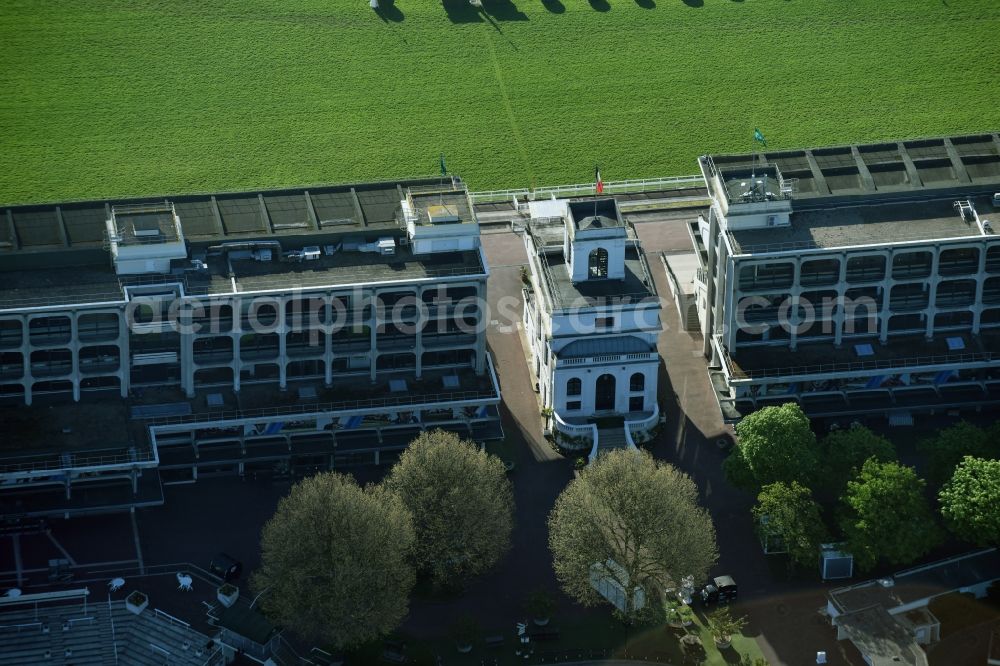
{"x": 881, "y": 638}
{"x": 892, "y": 166}
{"x": 922, "y": 582}
{"x": 46, "y": 436}
{"x": 636, "y": 287}
{"x": 343, "y": 267}
{"x": 823, "y": 357}
{"x": 874, "y": 224}
{"x": 360, "y": 207}
{"x": 431, "y": 201}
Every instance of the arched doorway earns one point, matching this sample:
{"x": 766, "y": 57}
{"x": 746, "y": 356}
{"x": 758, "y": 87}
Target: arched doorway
{"x": 604, "y": 394}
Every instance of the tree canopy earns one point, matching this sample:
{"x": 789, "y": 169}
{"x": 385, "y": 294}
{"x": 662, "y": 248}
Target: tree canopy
{"x": 335, "y": 563}
{"x": 970, "y": 501}
{"x": 788, "y": 511}
{"x": 886, "y": 516}
{"x": 845, "y": 451}
{"x": 461, "y": 501}
{"x": 946, "y": 449}
{"x": 641, "y": 514}
{"x": 775, "y": 444}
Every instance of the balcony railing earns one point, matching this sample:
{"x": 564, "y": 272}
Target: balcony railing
{"x": 854, "y": 366}
{"x": 607, "y": 358}
{"x": 43, "y": 462}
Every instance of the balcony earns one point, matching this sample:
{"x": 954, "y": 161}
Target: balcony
{"x": 456, "y": 339}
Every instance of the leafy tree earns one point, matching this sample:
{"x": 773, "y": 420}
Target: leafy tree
{"x": 970, "y": 501}
{"x": 462, "y": 504}
{"x": 792, "y": 514}
{"x": 642, "y": 516}
{"x": 945, "y": 450}
{"x": 845, "y": 451}
{"x": 336, "y": 561}
{"x": 774, "y": 444}
{"x": 887, "y": 516}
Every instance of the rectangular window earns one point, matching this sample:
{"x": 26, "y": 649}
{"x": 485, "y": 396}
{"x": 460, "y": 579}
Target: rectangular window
{"x": 636, "y": 404}
{"x": 573, "y": 406}
{"x": 604, "y": 322}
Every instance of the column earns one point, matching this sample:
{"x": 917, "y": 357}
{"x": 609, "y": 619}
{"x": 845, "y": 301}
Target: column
{"x": 125, "y": 355}
{"x": 282, "y": 343}
{"x": 932, "y": 282}
{"x": 74, "y": 348}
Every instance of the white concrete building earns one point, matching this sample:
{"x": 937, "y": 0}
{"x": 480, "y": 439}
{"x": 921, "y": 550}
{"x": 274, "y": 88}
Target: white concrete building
{"x": 592, "y": 319}
{"x": 852, "y": 279}
{"x": 278, "y": 332}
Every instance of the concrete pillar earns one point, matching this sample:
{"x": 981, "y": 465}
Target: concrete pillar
{"x": 74, "y": 349}
{"x": 884, "y": 311}
{"x": 932, "y": 282}
{"x": 328, "y": 343}
{"x": 418, "y": 338}
{"x": 282, "y": 331}
{"x": 125, "y": 354}
{"x": 840, "y": 316}
{"x": 237, "y": 335}
{"x": 373, "y": 337}
{"x": 793, "y": 311}
{"x": 719, "y": 312}
{"x": 714, "y": 240}
{"x": 481, "y": 327}
{"x": 187, "y": 361}
{"x": 26, "y": 377}
{"x": 977, "y": 304}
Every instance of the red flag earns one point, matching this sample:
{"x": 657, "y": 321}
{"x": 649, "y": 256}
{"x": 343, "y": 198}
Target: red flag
{"x": 597, "y": 178}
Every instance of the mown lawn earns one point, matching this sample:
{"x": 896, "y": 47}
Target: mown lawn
{"x": 127, "y": 97}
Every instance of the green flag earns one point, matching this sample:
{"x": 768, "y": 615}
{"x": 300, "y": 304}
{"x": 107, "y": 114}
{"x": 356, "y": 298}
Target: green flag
{"x": 759, "y": 138}
{"x": 444, "y": 169}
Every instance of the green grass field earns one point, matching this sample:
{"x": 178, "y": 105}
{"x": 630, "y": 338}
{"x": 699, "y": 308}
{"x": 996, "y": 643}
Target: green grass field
{"x": 128, "y": 97}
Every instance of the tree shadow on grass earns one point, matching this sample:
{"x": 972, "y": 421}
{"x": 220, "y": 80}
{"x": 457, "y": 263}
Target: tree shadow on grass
{"x": 646, "y": 4}
{"x": 460, "y": 11}
{"x": 600, "y": 5}
{"x": 554, "y": 6}
{"x": 388, "y": 11}
{"x": 694, "y": 3}
{"x": 503, "y": 10}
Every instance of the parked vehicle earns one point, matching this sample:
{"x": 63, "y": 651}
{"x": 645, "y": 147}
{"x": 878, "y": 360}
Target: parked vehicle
{"x": 721, "y": 590}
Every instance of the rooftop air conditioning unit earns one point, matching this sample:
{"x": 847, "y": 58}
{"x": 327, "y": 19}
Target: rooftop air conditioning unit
{"x": 386, "y": 246}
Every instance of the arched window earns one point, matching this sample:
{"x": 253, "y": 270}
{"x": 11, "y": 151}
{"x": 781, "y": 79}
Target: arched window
{"x": 637, "y": 382}
{"x": 574, "y": 387}
{"x": 598, "y": 263}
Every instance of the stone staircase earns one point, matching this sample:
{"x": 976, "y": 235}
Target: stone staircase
{"x": 609, "y": 439}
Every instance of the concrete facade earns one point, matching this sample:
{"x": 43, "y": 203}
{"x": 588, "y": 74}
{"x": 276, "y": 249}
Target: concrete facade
{"x": 853, "y": 299}
{"x": 277, "y": 353}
